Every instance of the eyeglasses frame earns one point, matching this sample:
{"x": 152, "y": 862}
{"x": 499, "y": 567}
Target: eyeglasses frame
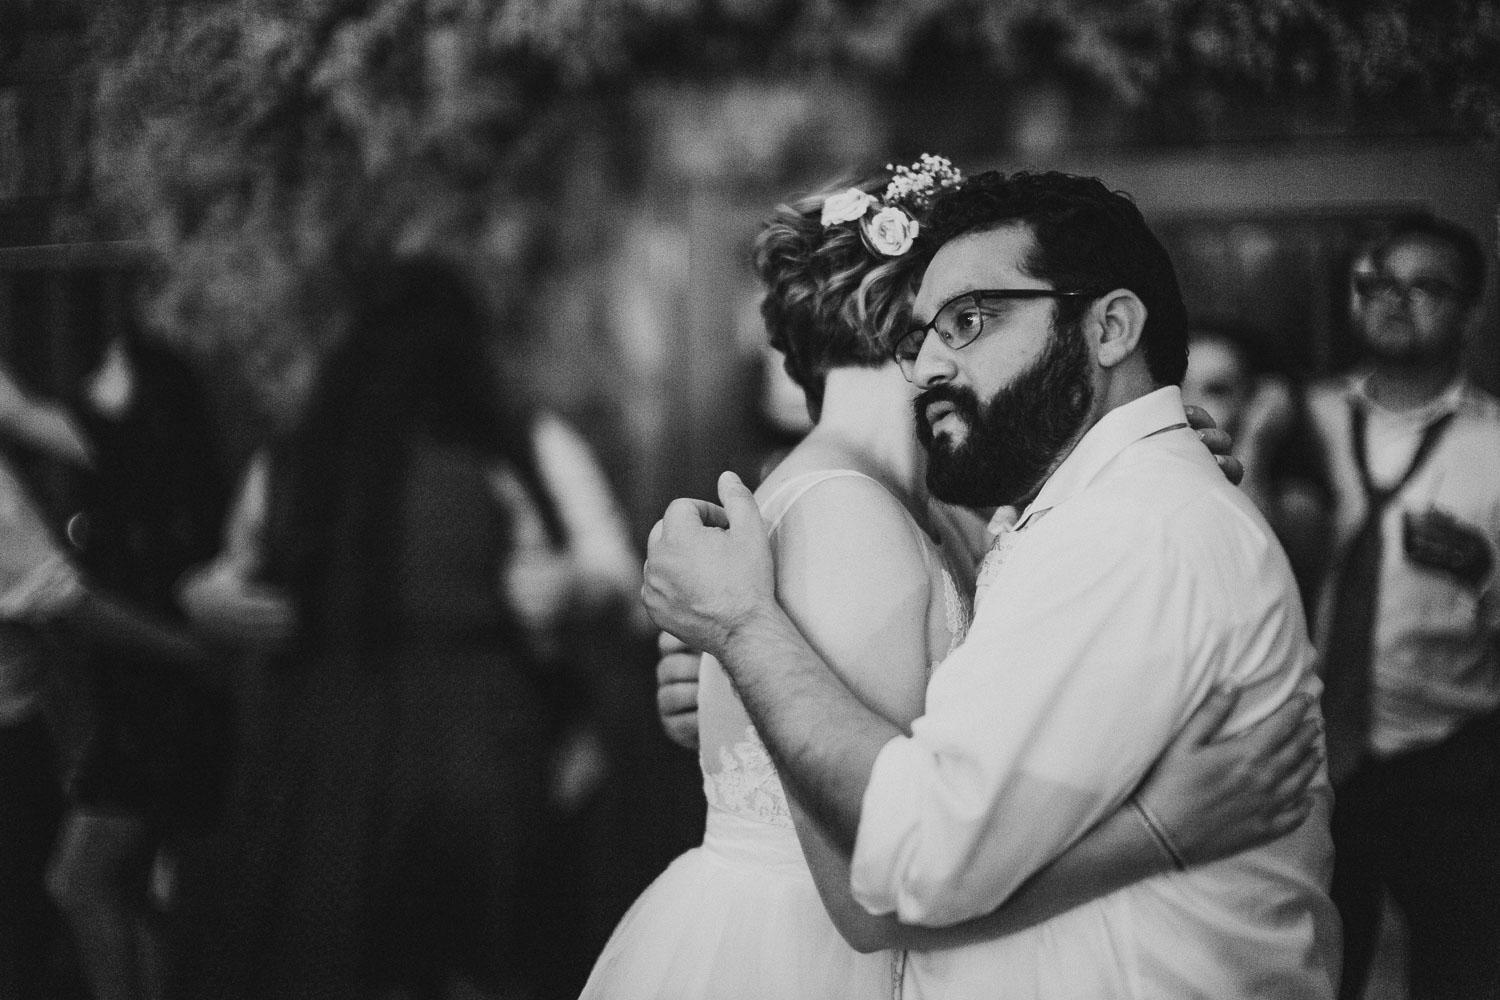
{"x": 1373, "y": 285}
{"x": 978, "y": 295}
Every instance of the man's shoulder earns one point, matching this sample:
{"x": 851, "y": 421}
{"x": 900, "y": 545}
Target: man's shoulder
{"x": 1165, "y": 487}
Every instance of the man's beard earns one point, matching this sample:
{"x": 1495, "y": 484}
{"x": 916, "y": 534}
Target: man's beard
{"x": 1412, "y": 351}
{"x": 1014, "y": 442}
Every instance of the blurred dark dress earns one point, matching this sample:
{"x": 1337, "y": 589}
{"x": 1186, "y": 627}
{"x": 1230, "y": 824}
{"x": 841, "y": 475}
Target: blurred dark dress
{"x": 160, "y": 742}
{"x": 390, "y": 804}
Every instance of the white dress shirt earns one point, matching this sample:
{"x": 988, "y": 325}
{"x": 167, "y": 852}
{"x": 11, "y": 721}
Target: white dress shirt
{"x": 1149, "y": 580}
{"x": 1436, "y": 659}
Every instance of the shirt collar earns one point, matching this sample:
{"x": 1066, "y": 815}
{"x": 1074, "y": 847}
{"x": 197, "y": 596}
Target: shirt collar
{"x": 1446, "y": 402}
{"x": 1115, "y": 431}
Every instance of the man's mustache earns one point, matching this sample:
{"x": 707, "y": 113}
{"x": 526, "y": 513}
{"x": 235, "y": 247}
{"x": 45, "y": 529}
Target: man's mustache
{"x": 964, "y": 401}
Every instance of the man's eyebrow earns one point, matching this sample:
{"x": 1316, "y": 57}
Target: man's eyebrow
{"x": 941, "y": 306}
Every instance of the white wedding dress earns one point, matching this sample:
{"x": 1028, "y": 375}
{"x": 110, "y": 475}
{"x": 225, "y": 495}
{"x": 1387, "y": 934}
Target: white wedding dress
{"x": 739, "y": 918}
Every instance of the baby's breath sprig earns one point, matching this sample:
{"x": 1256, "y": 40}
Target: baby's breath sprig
{"x": 915, "y": 186}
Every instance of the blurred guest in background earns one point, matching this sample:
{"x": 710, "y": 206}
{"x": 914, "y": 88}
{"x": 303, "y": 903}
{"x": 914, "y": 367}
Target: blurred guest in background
{"x": 576, "y": 591}
{"x": 1265, "y": 413}
{"x": 41, "y": 586}
{"x": 31, "y": 801}
{"x": 1410, "y": 621}
{"x": 155, "y": 764}
{"x": 394, "y": 804}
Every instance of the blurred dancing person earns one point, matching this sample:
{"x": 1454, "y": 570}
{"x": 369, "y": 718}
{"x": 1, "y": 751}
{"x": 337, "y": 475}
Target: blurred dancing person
{"x": 31, "y": 800}
{"x": 155, "y": 765}
{"x": 42, "y": 587}
{"x": 393, "y": 799}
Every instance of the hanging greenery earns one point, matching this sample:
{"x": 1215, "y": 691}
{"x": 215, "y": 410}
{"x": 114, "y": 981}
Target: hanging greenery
{"x": 260, "y": 144}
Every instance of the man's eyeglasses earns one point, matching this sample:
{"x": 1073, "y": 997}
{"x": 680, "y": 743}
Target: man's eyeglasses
{"x": 961, "y": 320}
{"x": 1422, "y": 292}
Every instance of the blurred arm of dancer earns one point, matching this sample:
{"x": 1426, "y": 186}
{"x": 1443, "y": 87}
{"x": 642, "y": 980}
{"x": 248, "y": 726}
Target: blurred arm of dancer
{"x": 595, "y": 574}
{"x": 577, "y": 595}
{"x": 40, "y": 585}
{"x": 41, "y": 424}
{"x": 224, "y": 598}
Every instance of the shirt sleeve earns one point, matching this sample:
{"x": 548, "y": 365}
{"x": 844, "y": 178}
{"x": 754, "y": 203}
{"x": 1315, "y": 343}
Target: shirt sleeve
{"x": 1085, "y": 658}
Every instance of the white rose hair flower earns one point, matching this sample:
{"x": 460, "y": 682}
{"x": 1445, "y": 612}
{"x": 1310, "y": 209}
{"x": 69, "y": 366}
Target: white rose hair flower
{"x": 890, "y": 232}
{"x": 847, "y": 206}
{"x": 888, "y": 225}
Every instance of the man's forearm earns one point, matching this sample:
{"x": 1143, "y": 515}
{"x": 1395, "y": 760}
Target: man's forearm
{"x": 823, "y": 739}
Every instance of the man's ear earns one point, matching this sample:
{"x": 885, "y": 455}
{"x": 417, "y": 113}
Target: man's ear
{"x": 1121, "y": 316}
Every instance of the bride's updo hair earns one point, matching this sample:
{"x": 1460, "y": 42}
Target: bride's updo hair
{"x": 829, "y": 301}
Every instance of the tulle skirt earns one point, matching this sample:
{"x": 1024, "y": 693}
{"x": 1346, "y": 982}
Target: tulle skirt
{"x": 737, "y": 918}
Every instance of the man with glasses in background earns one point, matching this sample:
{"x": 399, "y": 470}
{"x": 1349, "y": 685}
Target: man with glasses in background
{"x": 1048, "y": 340}
{"x": 1409, "y": 624}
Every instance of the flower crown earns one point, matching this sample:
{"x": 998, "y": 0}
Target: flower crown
{"x": 887, "y": 224}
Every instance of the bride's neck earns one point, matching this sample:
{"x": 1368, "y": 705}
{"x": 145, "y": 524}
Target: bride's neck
{"x": 867, "y": 415}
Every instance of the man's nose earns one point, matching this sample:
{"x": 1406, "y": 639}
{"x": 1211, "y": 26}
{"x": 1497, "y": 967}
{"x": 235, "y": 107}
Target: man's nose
{"x": 934, "y": 364}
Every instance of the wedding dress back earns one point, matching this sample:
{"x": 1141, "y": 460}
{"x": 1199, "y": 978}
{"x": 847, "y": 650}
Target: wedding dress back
{"x": 740, "y": 916}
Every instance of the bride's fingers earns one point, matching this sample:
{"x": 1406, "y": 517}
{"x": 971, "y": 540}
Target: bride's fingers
{"x": 1216, "y": 441}
{"x": 666, "y": 643}
{"x": 687, "y": 512}
{"x": 1198, "y": 417}
{"x": 1233, "y": 468}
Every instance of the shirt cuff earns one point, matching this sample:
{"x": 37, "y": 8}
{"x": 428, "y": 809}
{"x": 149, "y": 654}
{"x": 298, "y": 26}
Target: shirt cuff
{"x": 882, "y": 841}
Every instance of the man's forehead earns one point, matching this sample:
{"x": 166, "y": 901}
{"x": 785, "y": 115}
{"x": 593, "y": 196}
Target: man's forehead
{"x": 1422, "y": 256}
{"x": 989, "y": 259}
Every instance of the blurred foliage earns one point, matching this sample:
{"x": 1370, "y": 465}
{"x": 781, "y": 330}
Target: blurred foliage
{"x": 262, "y": 144}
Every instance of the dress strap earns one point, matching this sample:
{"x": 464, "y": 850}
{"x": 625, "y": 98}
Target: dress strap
{"x": 781, "y": 499}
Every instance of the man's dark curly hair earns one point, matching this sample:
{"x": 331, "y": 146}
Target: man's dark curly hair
{"x": 1086, "y": 237}
{"x": 829, "y": 301}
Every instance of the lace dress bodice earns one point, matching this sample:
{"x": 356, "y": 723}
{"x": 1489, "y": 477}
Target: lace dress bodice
{"x": 738, "y": 775}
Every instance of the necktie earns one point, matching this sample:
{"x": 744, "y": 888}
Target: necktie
{"x": 1350, "y": 635}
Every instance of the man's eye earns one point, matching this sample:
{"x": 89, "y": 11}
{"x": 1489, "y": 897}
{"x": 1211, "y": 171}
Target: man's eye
{"x": 968, "y": 321}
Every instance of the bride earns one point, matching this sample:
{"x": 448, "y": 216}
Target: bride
{"x": 877, "y": 576}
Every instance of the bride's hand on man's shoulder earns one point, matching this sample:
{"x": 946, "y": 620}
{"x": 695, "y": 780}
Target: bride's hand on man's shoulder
{"x": 1217, "y": 440}
{"x": 1213, "y": 795}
